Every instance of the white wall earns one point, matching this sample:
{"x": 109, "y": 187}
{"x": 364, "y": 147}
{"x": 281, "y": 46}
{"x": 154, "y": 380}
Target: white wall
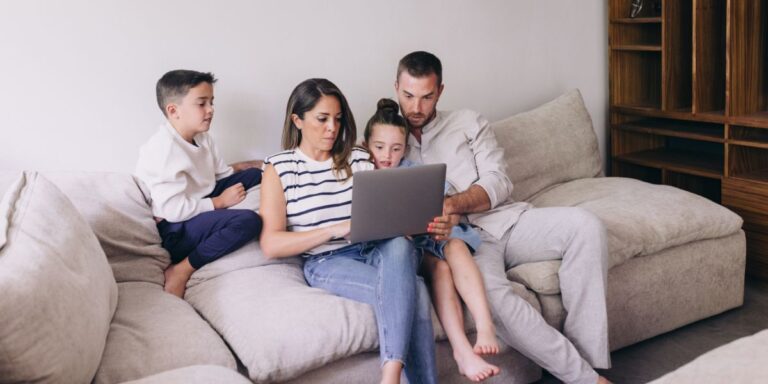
{"x": 79, "y": 76}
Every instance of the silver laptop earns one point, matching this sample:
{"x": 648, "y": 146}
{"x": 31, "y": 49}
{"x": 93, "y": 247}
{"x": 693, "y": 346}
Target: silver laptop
{"x": 395, "y": 202}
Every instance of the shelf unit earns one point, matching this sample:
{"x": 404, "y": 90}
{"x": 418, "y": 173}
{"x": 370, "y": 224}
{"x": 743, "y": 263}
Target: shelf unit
{"x": 689, "y": 104}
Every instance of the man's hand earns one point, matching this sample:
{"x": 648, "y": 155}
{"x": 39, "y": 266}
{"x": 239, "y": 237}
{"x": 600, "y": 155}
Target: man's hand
{"x": 229, "y": 197}
{"x": 243, "y": 165}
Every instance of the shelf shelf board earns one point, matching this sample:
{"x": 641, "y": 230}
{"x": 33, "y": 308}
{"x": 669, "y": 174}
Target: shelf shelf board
{"x": 691, "y": 163}
{"x": 759, "y": 119}
{"x": 748, "y": 143}
{"x": 637, "y": 20}
{"x": 672, "y": 129}
{"x": 651, "y": 111}
{"x": 760, "y": 175}
{"x": 637, "y": 47}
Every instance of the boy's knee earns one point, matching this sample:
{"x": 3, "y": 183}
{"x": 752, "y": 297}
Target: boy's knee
{"x": 248, "y": 221}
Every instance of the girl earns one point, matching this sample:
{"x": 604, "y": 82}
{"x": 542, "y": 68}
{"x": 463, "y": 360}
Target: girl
{"x": 305, "y": 204}
{"x": 448, "y": 262}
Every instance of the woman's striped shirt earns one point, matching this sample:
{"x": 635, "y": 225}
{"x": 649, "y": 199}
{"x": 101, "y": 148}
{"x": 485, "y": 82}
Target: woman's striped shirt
{"x": 314, "y": 197}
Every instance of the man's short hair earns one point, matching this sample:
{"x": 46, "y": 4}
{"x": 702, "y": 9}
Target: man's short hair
{"x": 174, "y": 85}
{"x": 420, "y": 64}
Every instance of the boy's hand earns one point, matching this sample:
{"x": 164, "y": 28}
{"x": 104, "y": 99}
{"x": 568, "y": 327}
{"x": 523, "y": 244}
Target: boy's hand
{"x": 229, "y": 197}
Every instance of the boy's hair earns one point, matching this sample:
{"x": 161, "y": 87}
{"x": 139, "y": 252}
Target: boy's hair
{"x": 303, "y": 99}
{"x": 174, "y": 85}
{"x": 386, "y": 113}
{"x": 420, "y": 64}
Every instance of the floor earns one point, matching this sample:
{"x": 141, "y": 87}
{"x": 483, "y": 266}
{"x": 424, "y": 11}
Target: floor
{"x": 651, "y": 359}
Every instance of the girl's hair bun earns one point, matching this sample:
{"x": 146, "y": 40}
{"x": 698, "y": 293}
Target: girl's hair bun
{"x": 386, "y": 105}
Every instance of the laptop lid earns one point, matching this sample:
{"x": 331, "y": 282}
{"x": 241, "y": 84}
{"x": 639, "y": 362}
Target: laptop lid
{"x": 395, "y": 202}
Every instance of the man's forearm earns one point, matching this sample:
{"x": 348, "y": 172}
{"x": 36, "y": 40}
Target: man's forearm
{"x": 473, "y": 200}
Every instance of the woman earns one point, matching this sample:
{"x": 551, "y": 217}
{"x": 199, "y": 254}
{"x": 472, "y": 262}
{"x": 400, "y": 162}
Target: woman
{"x": 305, "y": 205}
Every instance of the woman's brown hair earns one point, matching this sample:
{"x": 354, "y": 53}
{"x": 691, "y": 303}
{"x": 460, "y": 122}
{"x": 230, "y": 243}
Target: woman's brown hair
{"x": 303, "y": 98}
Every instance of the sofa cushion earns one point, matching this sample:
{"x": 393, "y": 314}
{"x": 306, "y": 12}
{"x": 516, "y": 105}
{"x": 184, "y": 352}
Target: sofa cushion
{"x": 57, "y": 292}
{"x": 643, "y": 218}
{"x": 154, "y": 331}
{"x": 248, "y": 256}
{"x": 741, "y": 361}
{"x": 196, "y": 374}
{"x": 277, "y": 325}
{"x": 551, "y": 144}
{"x": 540, "y": 277}
{"x": 115, "y": 207}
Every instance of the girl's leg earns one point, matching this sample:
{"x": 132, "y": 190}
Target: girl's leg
{"x": 449, "y": 312}
{"x": 469, "y": 283}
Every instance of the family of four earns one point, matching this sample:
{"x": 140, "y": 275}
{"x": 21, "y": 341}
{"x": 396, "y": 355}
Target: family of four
{"x": 306, "y": 193}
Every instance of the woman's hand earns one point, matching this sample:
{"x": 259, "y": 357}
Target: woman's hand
{"x": 340, "y": 230}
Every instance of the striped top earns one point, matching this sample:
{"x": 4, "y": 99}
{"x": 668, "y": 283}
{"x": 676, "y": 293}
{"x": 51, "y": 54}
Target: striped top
{"x": 314, "y": 197}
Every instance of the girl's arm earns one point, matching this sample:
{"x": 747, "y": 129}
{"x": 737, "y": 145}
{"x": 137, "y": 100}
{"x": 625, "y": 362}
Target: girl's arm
{"x": 275, "y": 241}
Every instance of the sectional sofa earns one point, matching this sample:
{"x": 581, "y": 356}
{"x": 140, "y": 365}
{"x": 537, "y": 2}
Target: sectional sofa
{"x": 81, "y": 273}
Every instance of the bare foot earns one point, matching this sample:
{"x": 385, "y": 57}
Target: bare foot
{"x": 474, "y": 367}
{"x": 176, "y": 277}
{"x": 602, "y": 380}
{"x": 486, "y": 343}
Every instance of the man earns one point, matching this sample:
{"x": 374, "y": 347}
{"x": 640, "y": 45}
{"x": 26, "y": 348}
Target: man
{"x": 513, "y": 233}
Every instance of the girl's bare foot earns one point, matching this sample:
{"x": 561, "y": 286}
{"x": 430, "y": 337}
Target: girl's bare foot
{"x": 486, "y": 343}
{"x": 602, "y": 380}
{"x": 474, "y": 367}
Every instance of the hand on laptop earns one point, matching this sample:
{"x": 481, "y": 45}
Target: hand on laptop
{"x": 440, "y": 227}
{"x": 340, "y": 230}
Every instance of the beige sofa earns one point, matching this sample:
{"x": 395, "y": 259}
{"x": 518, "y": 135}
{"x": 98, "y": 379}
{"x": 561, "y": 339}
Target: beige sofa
{"x": 675, "y": 258}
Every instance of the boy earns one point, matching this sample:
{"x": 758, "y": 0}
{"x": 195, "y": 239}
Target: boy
{"x": 189, "y": 183}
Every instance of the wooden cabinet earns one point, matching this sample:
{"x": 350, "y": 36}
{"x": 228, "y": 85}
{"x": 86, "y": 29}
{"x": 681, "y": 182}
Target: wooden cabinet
{"x": 689, "y": 103}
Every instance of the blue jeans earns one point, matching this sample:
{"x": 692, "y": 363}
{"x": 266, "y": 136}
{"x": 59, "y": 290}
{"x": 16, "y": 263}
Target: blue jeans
{"x": 383, "y": 274}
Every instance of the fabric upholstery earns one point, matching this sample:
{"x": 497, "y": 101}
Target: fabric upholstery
{"x": 643, "y": 218}
{"x": 115, "y": 207}
{"x": 57, "y": 292}
{"x": 653, "y": 294}
{"x": 540, "y": 277}
{"x": 741, "y": 361}
{"x": 154, "y": 331}
{"x": 548, "y": 145}
{"x": 197, "y": 374}
{"x": 277, "y": 325}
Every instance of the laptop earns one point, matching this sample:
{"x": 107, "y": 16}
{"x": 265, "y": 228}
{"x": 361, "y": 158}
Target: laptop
{"x": 395, "y": 202}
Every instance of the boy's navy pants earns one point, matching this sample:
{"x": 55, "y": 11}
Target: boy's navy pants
{"x": 210, "y": 235}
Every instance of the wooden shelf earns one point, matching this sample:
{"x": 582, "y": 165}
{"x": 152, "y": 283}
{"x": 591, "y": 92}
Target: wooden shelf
{"x": 650, "y": 111}
{"x": 671, "y": 128}
{"x": 752, "y": 119}
{"x": 637, "y": 48}
{"x": 692, "y": 163}
{"x": 637, "y": 20}
{"x": 758, "y": 175}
